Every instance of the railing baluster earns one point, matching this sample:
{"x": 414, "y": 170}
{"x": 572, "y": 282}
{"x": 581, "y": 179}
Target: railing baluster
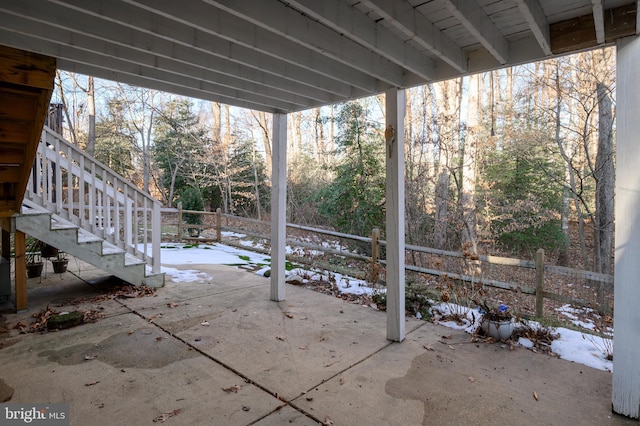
{"x": 93, "y": 205}
{"x": 69, "y": 183}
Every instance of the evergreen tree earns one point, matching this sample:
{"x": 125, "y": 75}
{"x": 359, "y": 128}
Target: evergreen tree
{"x": 178, "y": 146}
{"x": 354, "y": 201}
{"x": 114, "y": 143}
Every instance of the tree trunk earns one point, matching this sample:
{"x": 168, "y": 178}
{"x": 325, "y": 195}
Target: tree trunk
{"x": 91, "y": 109}
{"x": 229, "y": 208}
{"x": 605, "y": 182}
{"x": 261, "y": 118}
{"x": 467, "y": 196}
{"x": 442, "y": 210}
{"x": 216, "y": 122}
{"x": 321, "y": 149}
{"x": 563, "y": 252}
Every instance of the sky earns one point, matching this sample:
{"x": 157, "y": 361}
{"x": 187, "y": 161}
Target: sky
{"x": 571, "y": 345}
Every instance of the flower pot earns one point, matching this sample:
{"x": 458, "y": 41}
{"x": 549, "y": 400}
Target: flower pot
{"x": 498, "y": 329}
{"x": 60, "y": 265}
{"x": 34, "y": 269}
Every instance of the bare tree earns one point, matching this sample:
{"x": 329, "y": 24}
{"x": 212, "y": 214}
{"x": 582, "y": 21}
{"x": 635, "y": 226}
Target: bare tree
{"x": 467, "y": 195}
{"x": 605, "y": 182}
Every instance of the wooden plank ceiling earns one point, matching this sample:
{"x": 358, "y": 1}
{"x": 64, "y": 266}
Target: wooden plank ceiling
{"x": 289, "y": 55}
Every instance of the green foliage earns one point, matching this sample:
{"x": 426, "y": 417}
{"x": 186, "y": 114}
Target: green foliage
{"x": 178, "y": 145}
{"x": 525, "y": 196}
{"x": 114, "y": 145}
{"x": 246, "y": 170}
{"x": 191, "y": 199}
{"x": 354, "y": 201}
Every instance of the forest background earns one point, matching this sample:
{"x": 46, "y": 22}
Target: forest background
{"x": 503, "y": 162}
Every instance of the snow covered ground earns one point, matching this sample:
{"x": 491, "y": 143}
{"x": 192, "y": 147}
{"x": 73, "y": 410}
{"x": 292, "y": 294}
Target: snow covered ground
{"x": 571, "y": 345}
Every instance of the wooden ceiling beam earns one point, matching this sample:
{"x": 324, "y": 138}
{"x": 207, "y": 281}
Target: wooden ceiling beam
{"x": 598, "y": 20}
{"x": 476, "y": 21}
{"x": 580, "y": 33}
{"x": 422, "y": 31}
{"x": 537, "y": 21}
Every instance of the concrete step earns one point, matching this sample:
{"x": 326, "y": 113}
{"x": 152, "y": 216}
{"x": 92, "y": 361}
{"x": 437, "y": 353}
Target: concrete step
{"x": 58, "y": 232}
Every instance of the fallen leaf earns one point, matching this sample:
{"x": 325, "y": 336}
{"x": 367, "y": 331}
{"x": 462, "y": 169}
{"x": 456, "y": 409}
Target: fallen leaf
{"x": 90, "y": 357}
{"x": 204, "y": 323}
{"x": 92, "y": 383}
{"x": 164, "y": 416}
{"x": 130, "y": 333}
{"x": 288, "y": 315}
{"x": 535, "y": 395}
{"x": 234, "y": 388}
{"x": 281, "y": 338}
{"x": 447, "y": 337}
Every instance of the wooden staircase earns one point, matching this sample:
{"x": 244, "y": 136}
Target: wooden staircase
{"x": 64, "y": 235}
{"x": 55, "y": 192}
{"x": 26, "y": 83}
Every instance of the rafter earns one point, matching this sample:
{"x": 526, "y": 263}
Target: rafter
{"x": 153, "y": 77}
{"x": 537, "y": 21}
{"x": 75, "y": 41}
{"x": 274, "y": 28}
{"x": 347, "y": 20}
{"x": 598, "y": 20}
{"x": 279, "y": 58}
{"x": 416, "y": 26}
{"x": 473, "y": 18}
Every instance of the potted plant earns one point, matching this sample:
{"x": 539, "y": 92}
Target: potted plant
{"x": 33, "y": 258}
{"x": 60, "y": 262}
{"x": 497, "y": 321}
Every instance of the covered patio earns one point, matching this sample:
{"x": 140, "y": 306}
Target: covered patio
{"x": 285, "y": 56}
{"x": 219, "y": 352}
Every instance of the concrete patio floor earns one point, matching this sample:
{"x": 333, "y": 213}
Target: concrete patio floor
{"x": 220, "y": 352}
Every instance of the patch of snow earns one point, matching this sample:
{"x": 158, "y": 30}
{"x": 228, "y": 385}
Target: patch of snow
{"x": 570, "y": 345}
{"x": 232, "y": 234}
{"x": 523, "y": 341}
{"x": 573, "y": 346}
{"x": 185, "y": 276}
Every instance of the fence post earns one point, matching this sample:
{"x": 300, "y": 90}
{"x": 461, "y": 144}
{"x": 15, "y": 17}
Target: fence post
{"x": 180, "y": 221}
{"x": 375, "y": 256}
{"x": 218, "y": 224}
{"x": 540, "y": 283}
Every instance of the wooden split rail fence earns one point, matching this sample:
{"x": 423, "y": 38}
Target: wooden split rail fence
{"x": 219, "y": 221}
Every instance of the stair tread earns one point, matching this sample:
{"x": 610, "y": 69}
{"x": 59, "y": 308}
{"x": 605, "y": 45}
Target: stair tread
{"x": 87, "y": 237}
{"x": 129, "y": 259}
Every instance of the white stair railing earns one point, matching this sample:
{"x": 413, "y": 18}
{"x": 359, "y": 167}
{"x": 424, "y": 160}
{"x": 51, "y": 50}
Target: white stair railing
{"x": 68, "y": 182}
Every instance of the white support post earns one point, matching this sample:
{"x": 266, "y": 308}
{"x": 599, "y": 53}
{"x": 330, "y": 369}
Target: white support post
{"x": 394, "y": 147}
{"x": 626, "y": 368}
{"x": 278, "y": 205}
{"x": 156, "y": 240}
